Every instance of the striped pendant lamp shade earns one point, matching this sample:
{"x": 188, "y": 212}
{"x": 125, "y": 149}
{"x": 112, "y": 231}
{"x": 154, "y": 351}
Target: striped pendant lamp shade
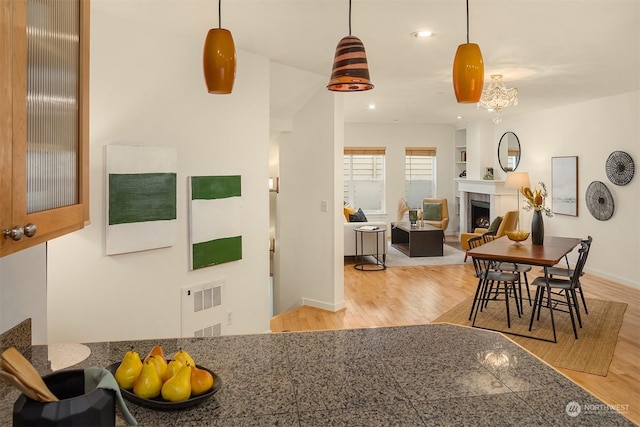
{"x": 350, "y": 69}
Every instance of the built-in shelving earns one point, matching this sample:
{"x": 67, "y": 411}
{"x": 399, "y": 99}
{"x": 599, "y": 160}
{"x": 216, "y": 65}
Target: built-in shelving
{"x": 460, "y": 168}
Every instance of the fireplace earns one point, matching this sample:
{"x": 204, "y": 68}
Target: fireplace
{"x": 478, "y": 211}
{"x": 491, "y": 192}
{"x": 480, "y": 214}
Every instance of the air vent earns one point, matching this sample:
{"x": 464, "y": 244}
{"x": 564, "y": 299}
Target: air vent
{"x": 200, "y": 309}
{"x": 209, "y": 331}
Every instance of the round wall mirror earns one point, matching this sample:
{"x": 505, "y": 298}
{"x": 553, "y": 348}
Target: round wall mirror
{"x": 509, "y": 152}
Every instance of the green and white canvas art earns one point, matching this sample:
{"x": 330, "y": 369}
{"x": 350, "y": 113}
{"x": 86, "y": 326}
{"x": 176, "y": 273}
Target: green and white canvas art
{"x": 215, "y": 226}
{"x": 141, "y": 198}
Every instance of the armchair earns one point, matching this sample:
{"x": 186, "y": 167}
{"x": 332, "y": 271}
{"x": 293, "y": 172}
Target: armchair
{"x": 509, "y": 222}
{"x": 441, "y": 218}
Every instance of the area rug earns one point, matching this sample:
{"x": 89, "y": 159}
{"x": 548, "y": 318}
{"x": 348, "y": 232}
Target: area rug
{"x": 591, "y": 352}
{"x": 395, "y": 258}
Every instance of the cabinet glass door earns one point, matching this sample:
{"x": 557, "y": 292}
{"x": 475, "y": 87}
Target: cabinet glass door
{"x": 53, "y": 58}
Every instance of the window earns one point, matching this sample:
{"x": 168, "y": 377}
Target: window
{"x": 420, "y": 173}
{"x": 364, "y": 178}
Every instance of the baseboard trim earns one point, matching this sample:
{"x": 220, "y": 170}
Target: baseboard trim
{"x": 323, "y": 305}
{"x": 613, "y": 278}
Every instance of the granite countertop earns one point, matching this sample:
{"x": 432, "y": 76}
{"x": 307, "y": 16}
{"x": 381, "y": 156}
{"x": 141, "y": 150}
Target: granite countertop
{"x": 408, "y": 376}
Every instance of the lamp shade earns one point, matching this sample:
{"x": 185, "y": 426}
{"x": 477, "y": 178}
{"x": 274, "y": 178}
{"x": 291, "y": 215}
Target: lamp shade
{"x": 517, "y": 180}
{"x": 219, "y": 61}
{"x": 468, "y": 73}
{"x": 350, "y": 71}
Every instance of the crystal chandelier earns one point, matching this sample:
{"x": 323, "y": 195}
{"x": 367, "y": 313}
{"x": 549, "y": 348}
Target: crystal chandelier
{"x": 497, "y": 96}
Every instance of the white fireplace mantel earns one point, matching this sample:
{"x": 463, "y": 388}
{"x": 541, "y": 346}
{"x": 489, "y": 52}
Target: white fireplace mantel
{"x": 500, "y": 198}
{"x": 481, "y": 186}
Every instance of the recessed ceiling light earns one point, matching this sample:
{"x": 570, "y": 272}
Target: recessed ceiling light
{"x": 422, "y": 34}
{"x": 371, "y": 106}
{"x": 460, "y": 117}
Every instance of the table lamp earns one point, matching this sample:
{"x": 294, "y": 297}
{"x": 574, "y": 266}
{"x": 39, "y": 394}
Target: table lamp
{"x": 515, "y": 181}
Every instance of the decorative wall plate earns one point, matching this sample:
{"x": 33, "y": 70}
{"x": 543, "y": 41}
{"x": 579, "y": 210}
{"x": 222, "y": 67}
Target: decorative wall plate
{"x": 620, "y": 168}
{"x": 599, "y": 201}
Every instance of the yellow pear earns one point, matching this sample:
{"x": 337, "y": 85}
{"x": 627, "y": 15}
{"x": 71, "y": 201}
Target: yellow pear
{"x": 149, "y": 383}
{"x": 172, "y": 368}
{"x": 156, "y": 351}
{"x": 129, "y": 369}
{"x": 201, "y": 381}
{"x": 184, "y": 357}
{"x": 178, "y": 387}
{"x": 159, "y": 362}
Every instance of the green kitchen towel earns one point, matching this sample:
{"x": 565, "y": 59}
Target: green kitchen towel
{"x": 102, "y": 378}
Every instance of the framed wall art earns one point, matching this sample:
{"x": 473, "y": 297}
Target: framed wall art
{"x": 564, "y": 185}
{"x": 215, "y": 227}
{"x": 141, "y": 198}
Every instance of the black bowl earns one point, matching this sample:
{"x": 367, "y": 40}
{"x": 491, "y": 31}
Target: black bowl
{"x": 165, "y": 405}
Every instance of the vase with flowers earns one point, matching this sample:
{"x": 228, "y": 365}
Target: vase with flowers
{"x": 535, "y": 200}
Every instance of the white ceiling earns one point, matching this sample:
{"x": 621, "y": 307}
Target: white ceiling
{"x": 554, "y": 51}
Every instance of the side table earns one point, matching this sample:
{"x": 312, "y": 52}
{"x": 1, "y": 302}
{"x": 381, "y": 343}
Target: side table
{"x": 367, "y": 234}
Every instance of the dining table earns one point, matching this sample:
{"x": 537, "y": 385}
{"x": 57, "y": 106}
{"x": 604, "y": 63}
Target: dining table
{"x": 546, "y": 255}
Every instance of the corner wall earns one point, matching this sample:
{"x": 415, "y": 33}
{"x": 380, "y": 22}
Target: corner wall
{"x": 307, "y": 262}
{"x": 147, "y": 89}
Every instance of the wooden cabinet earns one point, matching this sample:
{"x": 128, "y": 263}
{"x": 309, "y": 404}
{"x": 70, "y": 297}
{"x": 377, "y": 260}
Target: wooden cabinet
{"x": 44, "y": 116}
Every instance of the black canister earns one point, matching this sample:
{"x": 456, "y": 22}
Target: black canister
{"x": 75, "y": 407}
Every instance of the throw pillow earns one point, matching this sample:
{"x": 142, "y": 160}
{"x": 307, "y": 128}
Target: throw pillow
{"x": 432, "y": 211}
{"x": 348, "y": 210}
{"x": 358, "y": 216}
{"x": 495, "y": 224}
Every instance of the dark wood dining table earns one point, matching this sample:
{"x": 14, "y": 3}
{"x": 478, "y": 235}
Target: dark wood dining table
{"x": 546, "y": 255}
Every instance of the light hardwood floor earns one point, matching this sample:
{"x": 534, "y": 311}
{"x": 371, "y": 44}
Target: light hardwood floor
{"x": 418, "y": 295}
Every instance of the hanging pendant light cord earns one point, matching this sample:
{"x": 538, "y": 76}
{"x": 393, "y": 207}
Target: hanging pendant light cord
{"x": 467, "y": 21}
{"x": 220, "y": 15}
{"x": 349, "y": 17}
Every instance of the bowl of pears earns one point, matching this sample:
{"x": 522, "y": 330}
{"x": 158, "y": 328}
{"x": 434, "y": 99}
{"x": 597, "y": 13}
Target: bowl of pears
{"x": 160, "y": 383}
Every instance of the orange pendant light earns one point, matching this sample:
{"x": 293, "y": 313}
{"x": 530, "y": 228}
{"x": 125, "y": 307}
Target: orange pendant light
{"x": 468, "y": 70}
{"x": 350, "y": 71}
{"x": 219, "y": 59}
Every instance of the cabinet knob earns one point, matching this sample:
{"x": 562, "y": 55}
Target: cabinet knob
{"x": 30, "y": 230}
{"x": 16, "y": 233}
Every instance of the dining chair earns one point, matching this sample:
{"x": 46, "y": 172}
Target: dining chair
{"x": 491, "y": 284}
{"x": 474, "y": 242}
{"x": 557, "y": 288}
{"x": 568, "y": 271}
{"x": 511, "y": 267}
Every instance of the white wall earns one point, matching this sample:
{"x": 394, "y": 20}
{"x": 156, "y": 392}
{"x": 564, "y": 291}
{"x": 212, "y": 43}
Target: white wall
{"x": 23, "y": 291}
{"x": 591, "y": 131}
{"x": 147, "y": 89}
{"x": 481, "y": 155}
{"x": 395, "y": 137}
{"x": 306, "y": 258}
